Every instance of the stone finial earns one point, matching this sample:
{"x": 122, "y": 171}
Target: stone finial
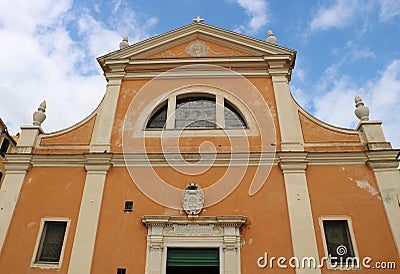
{"x": 39, "y": 116}
{"x": 361, "y": 111}
{"x": 271, "y": 38}
{"x": 124, "y": 43}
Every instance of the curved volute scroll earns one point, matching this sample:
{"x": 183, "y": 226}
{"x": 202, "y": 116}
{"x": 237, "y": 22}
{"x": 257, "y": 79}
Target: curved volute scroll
{"x": 361, "y": 111}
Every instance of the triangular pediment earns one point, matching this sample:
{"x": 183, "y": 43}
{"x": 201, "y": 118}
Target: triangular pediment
{"x": 196, "y": 46}
{"x": 197, "y": 40}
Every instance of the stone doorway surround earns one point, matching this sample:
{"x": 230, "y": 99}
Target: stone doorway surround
{"x": 221, "y": 232}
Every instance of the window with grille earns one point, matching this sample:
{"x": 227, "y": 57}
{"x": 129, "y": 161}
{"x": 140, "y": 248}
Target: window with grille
{"x": 128, "y": 206}
{"x": 196, "y": 112}
{"x": 51, "y": 242}
{"x": 159, "y": 118}
{"x": 338, "y": 242}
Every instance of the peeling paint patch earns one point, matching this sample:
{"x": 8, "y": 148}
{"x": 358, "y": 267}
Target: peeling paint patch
{"x": 29, "y": 225}
{"x": 364, "y": 184}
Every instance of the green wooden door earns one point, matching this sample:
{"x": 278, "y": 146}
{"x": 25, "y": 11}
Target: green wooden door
{"x": 193, "y": 261}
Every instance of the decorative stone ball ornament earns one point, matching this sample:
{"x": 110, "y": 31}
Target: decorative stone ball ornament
{"x": 39, "y": 116}
{"x": 124, "y": 43}
{"x": 193, "y": 199}
{"x": 361, "y": 111}
{"x": 271, "y": 38}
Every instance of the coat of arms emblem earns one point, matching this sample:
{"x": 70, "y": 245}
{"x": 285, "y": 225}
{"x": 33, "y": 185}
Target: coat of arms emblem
{"x": 193, "y": 199}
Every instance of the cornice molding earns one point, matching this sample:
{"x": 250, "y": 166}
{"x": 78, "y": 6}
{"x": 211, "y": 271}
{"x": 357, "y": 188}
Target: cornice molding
{"x": 287, "y": 160}
{"x": 251, "y": 66}
{"x": 235, "y": 221}
{"x": 197, "y": 30}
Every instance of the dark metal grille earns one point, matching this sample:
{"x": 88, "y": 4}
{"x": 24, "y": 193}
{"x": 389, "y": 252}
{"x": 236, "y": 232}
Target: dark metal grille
{"x": 51, "y": 242}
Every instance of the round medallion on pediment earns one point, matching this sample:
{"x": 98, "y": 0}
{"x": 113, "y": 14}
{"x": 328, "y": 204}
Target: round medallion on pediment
{"x": 197, "y": 49}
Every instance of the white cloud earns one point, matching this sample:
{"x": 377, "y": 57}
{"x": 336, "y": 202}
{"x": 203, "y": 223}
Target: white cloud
{"x": 339, "y": 15}
{"x": 43, "y": 59}
{"x": 336, "y": 105}
{"x": 384, "y": 101}
{"x": 389, "y": 9}
{"x": 25, "y": 16}
{"x": 302, "y": 98}
{"x": 382, "y": 96}
{"x": 98, "y": 39}
{"x": 258, "y": 13}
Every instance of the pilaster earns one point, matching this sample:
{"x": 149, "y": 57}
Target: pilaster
{"x": 105, "y": 117}
{"x": 302, "y": 230}
{"x": 289, "y": 123}
{"x": 16, "y": 166}
{"x": 372, "y": 135}
{"x": 384, "y": 165}
{"x": 28, "y": 139}
{"x": 97, "y": 166}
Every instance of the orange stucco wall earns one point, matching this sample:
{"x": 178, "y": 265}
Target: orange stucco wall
{"x": 314, "y": 133}
{"x": 121, "y": 238}
{"x": 80, "y": 135}
{"x": 334, "y": 191}
{"x": 47, "y": 192}
{"x": 130, "y": 89}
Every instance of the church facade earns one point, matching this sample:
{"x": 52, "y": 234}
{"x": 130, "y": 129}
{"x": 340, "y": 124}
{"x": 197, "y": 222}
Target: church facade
{"x": 198, "y": 159}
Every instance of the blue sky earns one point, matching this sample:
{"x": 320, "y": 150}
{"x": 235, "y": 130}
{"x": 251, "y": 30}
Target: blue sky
{"x": 344, "y": 48}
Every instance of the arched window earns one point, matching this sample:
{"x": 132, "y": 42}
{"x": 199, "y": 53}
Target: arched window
{"x": 233, "y": 119}
{"x": 196, "y": 111}
{"x": 158, "y": 119}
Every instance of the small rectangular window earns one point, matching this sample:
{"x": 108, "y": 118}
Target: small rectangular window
{"x": 128, "y": 206}
{"x": 121, "y": 271}
{"x": 51, "y": 242}
{"x": 339, "y": 243}
{"x": 4, "y": 147}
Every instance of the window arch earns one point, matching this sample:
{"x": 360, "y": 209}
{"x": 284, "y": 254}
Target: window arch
{"x": 233, "y": 118}
{"x": 196, "y": 111}
{"x": 159, "y": 117}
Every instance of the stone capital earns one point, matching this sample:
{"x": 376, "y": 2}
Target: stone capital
{"x": 293, "y": 162}
{"x": 18, "y": 163}
{"x": 383, "y": 160}
{"x": 98, "y": 162}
